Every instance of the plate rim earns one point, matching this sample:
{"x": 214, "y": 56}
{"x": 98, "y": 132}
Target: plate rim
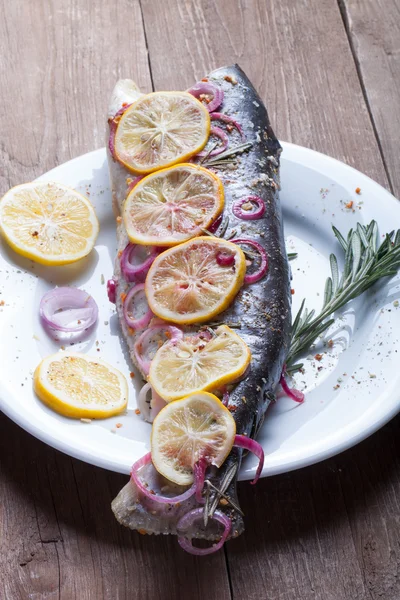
{"x": 68, "y": 447}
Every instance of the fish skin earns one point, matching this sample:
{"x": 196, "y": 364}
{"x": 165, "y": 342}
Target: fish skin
{"x": 263, "y": 308}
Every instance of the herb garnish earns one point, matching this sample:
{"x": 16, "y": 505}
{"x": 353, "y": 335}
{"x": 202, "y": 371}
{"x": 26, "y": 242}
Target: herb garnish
{"x": 364, "y": 263}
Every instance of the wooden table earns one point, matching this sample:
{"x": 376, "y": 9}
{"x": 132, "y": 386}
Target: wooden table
{"x": 330, "y": 75}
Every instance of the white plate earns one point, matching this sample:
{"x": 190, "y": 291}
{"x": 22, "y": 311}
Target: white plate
{"x": 363, "y": 361}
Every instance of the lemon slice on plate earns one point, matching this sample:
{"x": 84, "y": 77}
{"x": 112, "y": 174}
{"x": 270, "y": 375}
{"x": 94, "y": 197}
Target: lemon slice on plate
{"x": 160, "y": 130}
{"x": 188, "y": 430}
{"x": 193, "y": 364}
{"x": 80, "y": 386}
{"x": 173, "y": 205}
{"x": 196, "y": 280}
{"x": 48, "y": 222}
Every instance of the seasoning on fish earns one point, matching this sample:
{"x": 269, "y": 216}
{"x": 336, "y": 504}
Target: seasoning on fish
{"x": 260, "y": 305}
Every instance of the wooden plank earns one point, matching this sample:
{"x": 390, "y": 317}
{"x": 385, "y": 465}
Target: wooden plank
{"x": 374, "y": 30}
{"x": 297, "y": 55}
{"x": 58, "y": 537}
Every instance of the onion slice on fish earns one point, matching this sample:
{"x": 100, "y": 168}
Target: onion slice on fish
{"x": 129, "y": 307}
{"x": 134, "y": 271}
{"x": 203, "y": 88}
{"x": 141, "y": 347}
{"x": 199, "y": 472}
{"x": 241, "y": 213}
{"x": 216, "y": 116}
{"x": 262, "y": 270}
{"x": 218, "y": 133}
{"x": 185, "y": 523}
{"x": 68, "y": 309}
{"x": 242, "y": 441}
{"x": 146, "y": 460}
{"x": 112, "y": 290}
{"x": 113, "y": 122}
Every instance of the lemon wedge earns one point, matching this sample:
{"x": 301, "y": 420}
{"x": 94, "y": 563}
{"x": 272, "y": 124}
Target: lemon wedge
{"x": 48, "y": 222}
{"x": 193, "y": 282}
{"x": 192, "y": 364}
{"x": 161, "y": 129}
{"x": 80, "y": 386}
{"x": 173, "y": 205}
{"x": 185, "y": 431}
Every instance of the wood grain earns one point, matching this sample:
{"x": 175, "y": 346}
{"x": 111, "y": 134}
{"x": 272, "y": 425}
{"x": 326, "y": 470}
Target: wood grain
{"x": 329, "y": 532}
{"x": 296, "y": 54}
{"x": 374, "y": 31}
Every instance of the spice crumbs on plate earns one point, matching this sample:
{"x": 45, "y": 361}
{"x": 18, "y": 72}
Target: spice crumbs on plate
{"x": 318, "y": 357}
{"x": 118, "y": 425}
{"x": 137, "y": 411}
{"x": 358, "y": 190}
{"x": 83, "y": 420}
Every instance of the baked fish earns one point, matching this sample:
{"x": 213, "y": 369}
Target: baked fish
{"x": 244, "y": 153}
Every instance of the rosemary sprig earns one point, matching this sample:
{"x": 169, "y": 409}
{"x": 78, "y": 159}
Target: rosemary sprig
{"x": 364, "y": 263}
{"x": 292, "y": 255}
{"x": 227, "y": 156}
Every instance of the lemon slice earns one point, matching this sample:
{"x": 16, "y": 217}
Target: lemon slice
{"x": 193, "y": 364}
{"x": 80, "y": 386}
{"x": 196, "y": 280}
{"x": 173, "y": 205}
{"x": 160, "y": 130}
{"x": 188, "y": 430}
{"x": 48, "y": 222}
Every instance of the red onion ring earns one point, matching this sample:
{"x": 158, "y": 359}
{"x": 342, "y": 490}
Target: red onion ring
{"x": 216, "y": 116}
{"x": 145, "y": 460}
{"x": 294, "y": 394}
{"x": 113, "y": 129}
{"x": 259, "y": 274}
{"x": 249, "y": 216}
{"x": 134, "y": 272}
{"x": 63, "y": 305}
{"x": 242, "y": 441}
{"x": 144, "y": 365}
{"x": 134, "y": 182}
{"x": 214, "y": 226}
{"x": 193, "y": 515}
{"x": 219, "y": 133}
{"x": 203, "y": 87}
{"x": 112, "y": 290}
{"x": 142, "y": 322}
{"x": 224, "y": 259}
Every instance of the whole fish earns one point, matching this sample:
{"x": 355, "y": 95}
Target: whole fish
{"x": 260, "y": 310}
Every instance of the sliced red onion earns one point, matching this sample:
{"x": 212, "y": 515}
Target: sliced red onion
{"x": 141, "y": 346}
{"x": 194, "y": 515}
{"x": 112, "y": 290}
{"x": 240, "y": 213}
{"x": 215, "y": 116}
{"x": 294, "y": 394}
{"x": 225, "y": 259}
{"x": 134, "y": 182}
{"x": 68, "y": 309}
{"x": 242, "y": 441}
{"x": 203, "y": 87}
{"x": 113, "y": 128}
{"x": 259, "y": 274}
{"x": 132, "y": 271}
{"x": 136, "y": 323}
{"x": 145, "y": 460}
{"x": 214, "y": 226}
{"x": 199, "y": 473}
{"x": 219, "y": 133}
{"x": 142, "y": 403}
